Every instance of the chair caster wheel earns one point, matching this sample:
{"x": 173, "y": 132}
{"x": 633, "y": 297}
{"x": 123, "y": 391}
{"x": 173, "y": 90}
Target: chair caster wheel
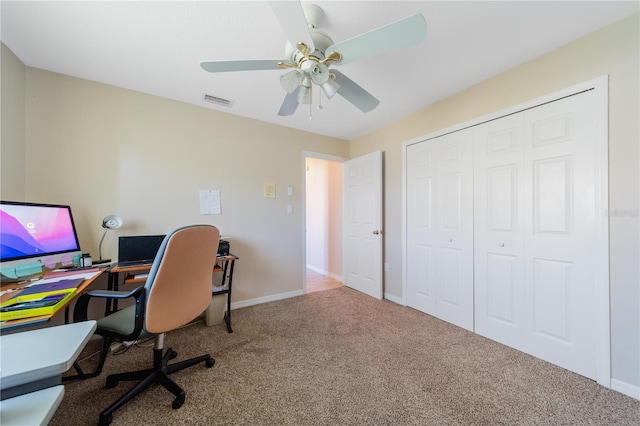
{"x": 209, "y": 362}
{"x": 111, "y": 383}
{"x": 105, "y": 419}
{"x": 173, "y": 354}
{"x": 177, "y": 403}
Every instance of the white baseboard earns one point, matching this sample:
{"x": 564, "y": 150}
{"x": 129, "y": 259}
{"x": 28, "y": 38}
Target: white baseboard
{"x": 327, "y": 273}
{"x": 318, "y": 270}
{"x": 266, "y": 299}
{"x": 392, "y": 298}
{"x": 282, "y": 296}
{"x": 626, "y": 388}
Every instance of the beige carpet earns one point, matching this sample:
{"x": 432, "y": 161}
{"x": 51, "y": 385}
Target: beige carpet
{"x": 338, "y": 357}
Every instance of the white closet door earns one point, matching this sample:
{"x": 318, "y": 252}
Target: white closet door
{"x": 440, "y": 228}
{"x": 499, "y": 231}
{"x": 560, "y": 231}
{"x": 535, "y": 232}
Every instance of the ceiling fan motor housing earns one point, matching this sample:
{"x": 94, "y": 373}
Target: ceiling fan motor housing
{"x": 321, "y": 42}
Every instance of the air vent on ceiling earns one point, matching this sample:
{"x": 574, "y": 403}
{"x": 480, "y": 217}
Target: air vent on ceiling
{"x": 218, "y": 101}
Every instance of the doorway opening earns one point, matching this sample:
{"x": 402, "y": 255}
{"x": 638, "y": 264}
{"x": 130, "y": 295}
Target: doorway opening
{"x": 323, "y": 222}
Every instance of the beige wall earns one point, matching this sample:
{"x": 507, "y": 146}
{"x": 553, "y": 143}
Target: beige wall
{"x": 106, "y": 150}
{"x": 613, "y": 51}
{"x": 12, "y": 147}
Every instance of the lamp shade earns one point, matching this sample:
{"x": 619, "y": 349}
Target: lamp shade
{"x": 112, "y": 222}
{"x": 304, "y": 95}
{"x": 109, "y": 222}
{"x": 291, "y": 80}
{"x": 330, "y": 87}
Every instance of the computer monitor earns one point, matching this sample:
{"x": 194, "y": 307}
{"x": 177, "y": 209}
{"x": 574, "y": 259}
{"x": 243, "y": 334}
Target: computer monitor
{"x": 34, "y": 237}
{"x": 138, "y": 249}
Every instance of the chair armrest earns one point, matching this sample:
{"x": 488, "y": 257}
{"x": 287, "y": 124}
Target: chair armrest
{"x": 112, "y": 294}
{"x": 82, "y": 304}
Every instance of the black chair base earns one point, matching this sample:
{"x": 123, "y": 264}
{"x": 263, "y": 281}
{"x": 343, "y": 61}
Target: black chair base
{"x": 158, "y": 374}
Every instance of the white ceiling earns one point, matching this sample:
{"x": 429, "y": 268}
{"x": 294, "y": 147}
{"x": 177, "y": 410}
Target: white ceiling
{"x": 155, "y": 47}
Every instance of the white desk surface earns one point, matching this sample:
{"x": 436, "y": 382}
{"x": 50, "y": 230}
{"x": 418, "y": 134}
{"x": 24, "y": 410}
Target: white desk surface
{"x": 35, "y": 408}
{"x": 34, "y": 355}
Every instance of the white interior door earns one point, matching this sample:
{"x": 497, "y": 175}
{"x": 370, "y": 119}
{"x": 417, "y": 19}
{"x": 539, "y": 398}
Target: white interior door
{"x": 499, "y": 231}
{"x": 440, "y": 228}
{"x": 362, "y": 246}
{"x": 535, "y": 232}
{"x": 560, "y": 278}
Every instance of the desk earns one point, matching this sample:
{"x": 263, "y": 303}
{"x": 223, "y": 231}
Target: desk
{"x": 34, "y": 360}
{"x": 137, "y": 274}
{"x": 43, "y": 319}
{"x": 35, "y": 408}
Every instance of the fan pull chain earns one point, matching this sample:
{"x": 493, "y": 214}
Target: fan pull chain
{"x": 311, "y": 104}
{"x": 319, "y": 98}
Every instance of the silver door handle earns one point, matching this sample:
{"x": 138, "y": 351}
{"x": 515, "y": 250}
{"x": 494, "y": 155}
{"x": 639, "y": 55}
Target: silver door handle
{"x": 376, "y": 232}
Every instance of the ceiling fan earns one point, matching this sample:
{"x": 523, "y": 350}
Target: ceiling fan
{"x": 314, "y": 52}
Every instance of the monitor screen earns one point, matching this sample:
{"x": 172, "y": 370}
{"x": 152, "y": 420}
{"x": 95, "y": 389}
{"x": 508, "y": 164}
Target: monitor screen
{"x": 30, "y": 231}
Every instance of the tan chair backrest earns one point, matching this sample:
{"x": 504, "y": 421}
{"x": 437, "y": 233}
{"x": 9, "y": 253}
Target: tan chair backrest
{"x": 180, "y": 280}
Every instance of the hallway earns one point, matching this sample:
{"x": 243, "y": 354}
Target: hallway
{"x": 319, "y": 282}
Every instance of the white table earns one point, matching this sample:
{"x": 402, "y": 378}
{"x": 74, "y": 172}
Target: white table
{"x": 31, "y": 367}
{"x": 35, "y": 408}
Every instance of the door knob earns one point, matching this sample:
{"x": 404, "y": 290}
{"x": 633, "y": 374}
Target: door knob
{"x": 376, "y": 232}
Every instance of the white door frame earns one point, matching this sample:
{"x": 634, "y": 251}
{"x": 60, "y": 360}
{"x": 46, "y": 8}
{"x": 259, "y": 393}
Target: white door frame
{"x": 305, "y": 155}
{"x": 601, "y": 87}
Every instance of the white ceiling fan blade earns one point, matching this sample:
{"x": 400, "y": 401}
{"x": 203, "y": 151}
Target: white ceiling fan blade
{"x": 241, "y": 65}
{"x": 403, "y": 33}
{"x": 355, "y": 94}
{"x": 293, "y": 22}
{"x": 290, "y": 103}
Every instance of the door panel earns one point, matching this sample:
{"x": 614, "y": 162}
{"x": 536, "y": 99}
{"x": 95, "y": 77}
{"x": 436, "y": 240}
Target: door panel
{"x": 534, "y": 281}
{"x": 439, "y": 228}
{"x": 499, "y": 231}
{"x": 363, "y": 224}
{"x": 560, "y": 233}
{"x": 421, "y": 258}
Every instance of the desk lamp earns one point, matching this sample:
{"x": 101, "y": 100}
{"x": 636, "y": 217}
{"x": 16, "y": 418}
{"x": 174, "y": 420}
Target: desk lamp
{"x": 109, "y": 222}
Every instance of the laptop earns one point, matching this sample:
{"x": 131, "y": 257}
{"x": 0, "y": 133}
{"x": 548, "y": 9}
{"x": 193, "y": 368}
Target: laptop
{"x": 138, "y": 249}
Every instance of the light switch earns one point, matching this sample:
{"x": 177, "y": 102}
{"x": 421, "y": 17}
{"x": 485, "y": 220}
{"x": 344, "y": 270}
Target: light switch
{"x": 289, "y": 191}
{"x": 269, "y": 190}
{"x": 289, "y": 209}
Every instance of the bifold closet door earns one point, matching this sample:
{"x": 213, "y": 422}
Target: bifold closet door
{"x": 534, "y": 227}
{"x": 440, "y": 227}
{"x": 499, "y": 211}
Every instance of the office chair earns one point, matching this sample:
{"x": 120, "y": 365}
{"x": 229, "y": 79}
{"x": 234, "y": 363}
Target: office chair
{"x": 177, "y": 290}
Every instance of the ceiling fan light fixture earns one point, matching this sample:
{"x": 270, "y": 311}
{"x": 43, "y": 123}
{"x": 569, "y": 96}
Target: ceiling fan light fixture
{"x": 291, "y": 80}
{"x": 304, "y": 95}
{"x": 330, "y": 87}
{"x": 319, "y": 73}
